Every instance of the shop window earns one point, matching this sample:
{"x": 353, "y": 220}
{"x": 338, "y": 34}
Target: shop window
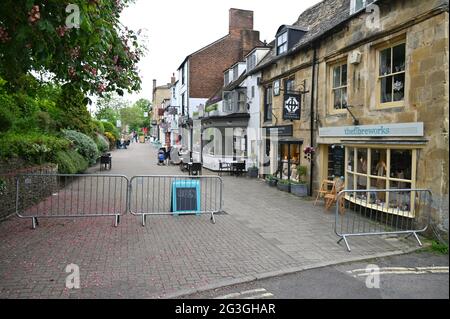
{"x": 378, "y": 162}
{"x": 267, "y": 153}
{"x": 339, "y": 95}
{"x": 289, "y": 159}
{"x": 400, "y": 164}
{"x": 392, "y": 69}
{"x": 351, "y": 159}
{"x": 390, "y": 169}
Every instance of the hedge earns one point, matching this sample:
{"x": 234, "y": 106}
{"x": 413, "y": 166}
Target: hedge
{"x": 109, "y": 127}
{"x": 84, "y": 145}
{"x": 33, "y": 147}
{"x": 70, "y": 162}
{"x": 102, "y": 143}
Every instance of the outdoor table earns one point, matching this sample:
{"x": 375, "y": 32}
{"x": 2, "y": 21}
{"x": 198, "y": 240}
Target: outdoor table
{"x": 194, "y": 167}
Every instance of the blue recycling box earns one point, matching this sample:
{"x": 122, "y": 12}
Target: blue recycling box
{"x": 185, "y": 197}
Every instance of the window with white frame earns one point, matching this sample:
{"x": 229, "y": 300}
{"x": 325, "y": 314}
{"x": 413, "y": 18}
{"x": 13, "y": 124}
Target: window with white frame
{"x": 227, "y": 102}
{"x": 227, "y": 78}
{"x": 251, "y": 62}
{"x": 242, "y": 102}
{"x": 282, "y": 43}
{"x": 339, "y": 87}
{"x": 391, "y": 75}
{"x": 235, "y": 72}
{"x": 358, "y": 5}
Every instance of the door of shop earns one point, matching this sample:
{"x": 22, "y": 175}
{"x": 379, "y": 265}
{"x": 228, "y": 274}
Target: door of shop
{"x": 289, "y": 151}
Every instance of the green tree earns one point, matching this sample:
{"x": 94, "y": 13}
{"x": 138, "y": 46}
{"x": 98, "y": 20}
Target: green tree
{"x": 98, "y": 55}
{"x": 145, "y": 106}
{"x": 133, "y": 117}
{"x": 109, "y": 106}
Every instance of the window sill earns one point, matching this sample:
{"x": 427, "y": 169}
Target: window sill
{"x": 393, "y": 105}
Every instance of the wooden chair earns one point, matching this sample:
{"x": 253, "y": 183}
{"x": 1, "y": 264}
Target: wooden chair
{"x": 324, "y": 189}
{"x": 331, "y": 198}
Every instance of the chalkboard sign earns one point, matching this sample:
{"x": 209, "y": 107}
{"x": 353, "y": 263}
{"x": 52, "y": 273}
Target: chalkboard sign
{"x": 185, "y": 197}
{"x": 338, "y": 161}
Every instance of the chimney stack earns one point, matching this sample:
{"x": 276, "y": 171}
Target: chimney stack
{"x": 154, "y": 85}
{"x": 240, "y": 20}
{"x": 172, "y": 79}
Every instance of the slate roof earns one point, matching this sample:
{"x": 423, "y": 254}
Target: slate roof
{"x": 318, "y": 20}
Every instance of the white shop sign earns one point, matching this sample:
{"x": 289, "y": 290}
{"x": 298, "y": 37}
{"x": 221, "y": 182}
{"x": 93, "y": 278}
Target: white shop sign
{"x": 379, "y": 130}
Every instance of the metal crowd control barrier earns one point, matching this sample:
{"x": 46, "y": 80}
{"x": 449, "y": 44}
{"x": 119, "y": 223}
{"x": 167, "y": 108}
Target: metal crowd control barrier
{"x": 175, "y": 195}
{"x": 67, "y": 196}
{"x": 382, "y": 212}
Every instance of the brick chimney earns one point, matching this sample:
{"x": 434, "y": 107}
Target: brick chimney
{"x": 173, "y": 79}
{"x": 240, "y": 20}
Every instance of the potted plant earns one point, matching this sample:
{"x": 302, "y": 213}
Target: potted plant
{"x": 300, "y": 188}
{"x": 284, "y": 185}
{"x": 253, "y": 170}
{"x": 271, "y": 180}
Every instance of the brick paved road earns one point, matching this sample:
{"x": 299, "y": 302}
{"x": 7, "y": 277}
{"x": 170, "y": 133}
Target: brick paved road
{"x": 264, "y": 232}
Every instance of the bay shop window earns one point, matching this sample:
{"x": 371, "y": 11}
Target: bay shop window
{"x": 372, "y": 168}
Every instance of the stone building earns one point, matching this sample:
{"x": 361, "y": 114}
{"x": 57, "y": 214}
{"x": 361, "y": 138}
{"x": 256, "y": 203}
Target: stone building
{"x": 160, "y": 98}
{"x": 366, "y": 84}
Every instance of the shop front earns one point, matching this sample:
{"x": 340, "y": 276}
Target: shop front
{"x": 282, "y": 151}
{"x": 224, "y": 140}
{"x": 372, "y": 158}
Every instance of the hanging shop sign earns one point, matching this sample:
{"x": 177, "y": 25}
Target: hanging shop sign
{"x": 380, "y": 130}
{"x": 291, "y": 108}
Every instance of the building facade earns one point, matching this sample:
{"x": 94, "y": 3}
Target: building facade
{"x": 160, "y": 98}
{"x": 371, "y": 83}
{"x": 201, "y": 72}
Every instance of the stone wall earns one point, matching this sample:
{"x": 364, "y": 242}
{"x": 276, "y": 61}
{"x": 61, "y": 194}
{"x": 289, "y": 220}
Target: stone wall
{"x": 35, "y": 191}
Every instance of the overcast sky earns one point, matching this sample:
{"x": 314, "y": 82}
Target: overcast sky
{"x": 177, "y": 28}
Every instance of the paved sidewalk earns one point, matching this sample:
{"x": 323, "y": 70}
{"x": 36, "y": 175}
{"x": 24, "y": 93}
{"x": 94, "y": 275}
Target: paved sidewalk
{"x": 264, "y": 232}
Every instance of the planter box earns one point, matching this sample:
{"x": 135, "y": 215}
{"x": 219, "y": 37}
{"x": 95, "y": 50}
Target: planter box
{"x": 300, "y": 190}
{"x": 252, "y": 172}
{"x": 283, "y": 187}
{"x": 272, "y": 183}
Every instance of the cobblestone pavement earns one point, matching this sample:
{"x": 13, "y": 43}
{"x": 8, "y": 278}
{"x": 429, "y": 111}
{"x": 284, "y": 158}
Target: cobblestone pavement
{"x": 264, "y": 232}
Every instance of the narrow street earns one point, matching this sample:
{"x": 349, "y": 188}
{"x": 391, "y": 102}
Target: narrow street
{"x": 420, "y": 275}
{"x": 263, "y": 233}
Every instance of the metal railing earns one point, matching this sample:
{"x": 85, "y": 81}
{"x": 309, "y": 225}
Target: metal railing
{"x": 67, "y": 196}
{"x": 175, "y": 195}
{"x": 382, "y": 212}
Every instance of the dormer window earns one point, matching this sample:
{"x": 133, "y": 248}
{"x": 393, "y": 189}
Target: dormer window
{"x": 235, "y": 72}
{"x": 251, "y": 62}
{"x": 358, "y": 5}
{"x": 288, "y": 36}
{"x": 282, "y": 43}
